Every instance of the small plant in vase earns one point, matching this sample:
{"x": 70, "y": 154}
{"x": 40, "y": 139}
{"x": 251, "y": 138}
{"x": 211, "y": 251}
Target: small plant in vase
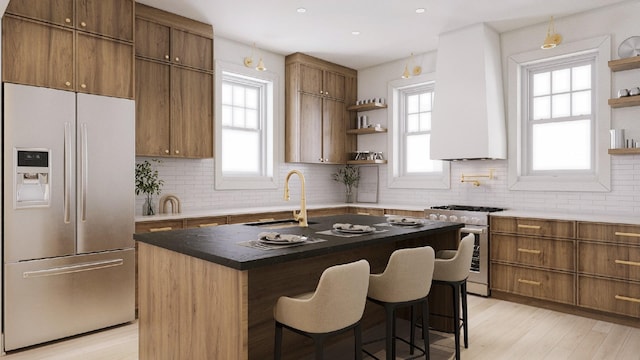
{"x": 349, "y": 176}
{"x": 147, "y": 183}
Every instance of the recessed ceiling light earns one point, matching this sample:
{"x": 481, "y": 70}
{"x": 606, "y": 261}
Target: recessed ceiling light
{"x": 420, "y": 10}
{"x": 355, "y": 33}
{"x": 301, "y": 10}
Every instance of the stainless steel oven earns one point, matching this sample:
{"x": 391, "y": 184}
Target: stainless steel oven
{"x": 476, "y": 220}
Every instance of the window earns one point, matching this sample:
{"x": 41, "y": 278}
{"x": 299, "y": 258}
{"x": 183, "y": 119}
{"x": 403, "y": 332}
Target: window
{"x": 559, "y": 118}
{"x": 411, "y": 108}
{"x": 244, "y": 128}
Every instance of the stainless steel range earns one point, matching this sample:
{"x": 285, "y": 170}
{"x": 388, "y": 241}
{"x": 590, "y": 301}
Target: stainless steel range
{"x": 476, "y": 220}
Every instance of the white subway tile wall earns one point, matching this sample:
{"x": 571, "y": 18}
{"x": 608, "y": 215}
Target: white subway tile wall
{"x": 192, "y": 181}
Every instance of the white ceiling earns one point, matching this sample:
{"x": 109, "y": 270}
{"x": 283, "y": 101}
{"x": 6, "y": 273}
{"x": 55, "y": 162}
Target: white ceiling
{"x": 389, "y": 29}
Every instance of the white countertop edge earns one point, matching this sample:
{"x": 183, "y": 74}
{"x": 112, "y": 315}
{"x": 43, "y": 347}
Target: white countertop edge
{"x": 608, "y": 218}
{"x": 253, "y": 210}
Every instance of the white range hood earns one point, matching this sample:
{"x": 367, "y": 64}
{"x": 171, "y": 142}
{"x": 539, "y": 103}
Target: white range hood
{"x": 468, "y": 113}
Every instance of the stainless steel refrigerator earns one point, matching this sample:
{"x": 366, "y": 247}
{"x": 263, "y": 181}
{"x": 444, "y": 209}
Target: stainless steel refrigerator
{"x": 68, "y": 221}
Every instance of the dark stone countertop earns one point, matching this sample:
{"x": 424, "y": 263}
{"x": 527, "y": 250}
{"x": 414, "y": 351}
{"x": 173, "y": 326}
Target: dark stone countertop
{"x": 220, "y": 244}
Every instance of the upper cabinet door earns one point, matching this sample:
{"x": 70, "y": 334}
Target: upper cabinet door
{"x": 334, "y": 85}
{"x": 152, "y": 40}
{"x": 58, "y": 12}
{"x": 191, "y": 50}
{"x": 311, "y": 80}
{"x": 36, "y": 54}
{"x": 104, "y": 67}
{"x": 113, "y": 18}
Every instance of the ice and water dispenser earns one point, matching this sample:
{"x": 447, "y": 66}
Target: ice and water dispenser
{"x": 32, "y": 178}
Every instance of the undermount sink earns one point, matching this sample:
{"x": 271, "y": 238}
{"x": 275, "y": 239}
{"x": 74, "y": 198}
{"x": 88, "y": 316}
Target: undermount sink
{"x": 277, "y": 224}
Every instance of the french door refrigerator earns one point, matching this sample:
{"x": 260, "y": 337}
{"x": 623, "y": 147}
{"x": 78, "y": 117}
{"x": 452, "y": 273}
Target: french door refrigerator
{"x": 68, "y": 222}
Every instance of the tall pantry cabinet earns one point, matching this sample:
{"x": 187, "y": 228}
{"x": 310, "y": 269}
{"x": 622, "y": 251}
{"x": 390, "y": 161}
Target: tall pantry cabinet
{"x": 77, "y": 45}
{"x": 317, "y": 119}
{"x": 174, "y": 85}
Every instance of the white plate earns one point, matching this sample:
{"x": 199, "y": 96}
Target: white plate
{"x": 354, "y": 231}
{"x": 283, "y": 242}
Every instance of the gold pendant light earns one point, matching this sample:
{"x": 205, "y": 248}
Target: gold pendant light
{"x": 552, "y": 40}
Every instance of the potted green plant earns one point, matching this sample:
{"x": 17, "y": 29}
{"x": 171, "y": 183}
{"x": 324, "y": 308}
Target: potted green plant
{"x": 349, "y": 176}
{"x": 148, "y": 183}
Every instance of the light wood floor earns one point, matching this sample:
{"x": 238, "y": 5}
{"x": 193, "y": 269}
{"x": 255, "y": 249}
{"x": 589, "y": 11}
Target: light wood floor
{"x": 497, "y": 330}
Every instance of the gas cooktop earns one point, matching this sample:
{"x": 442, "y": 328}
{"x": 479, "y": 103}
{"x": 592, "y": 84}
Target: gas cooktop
{"x": 467, "y": 208}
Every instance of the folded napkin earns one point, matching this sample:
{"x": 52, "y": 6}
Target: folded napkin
{"x": 352, "y": 227}
{"x": 274, "y": 236}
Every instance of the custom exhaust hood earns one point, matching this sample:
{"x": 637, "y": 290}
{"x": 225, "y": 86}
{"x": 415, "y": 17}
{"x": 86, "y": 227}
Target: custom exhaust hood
{"x": 468, "y": 113}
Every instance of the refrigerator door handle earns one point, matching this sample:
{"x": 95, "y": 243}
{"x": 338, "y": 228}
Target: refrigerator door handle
{"x": 73, "y": 268}
{"x": 84, "y": 171}
{"x": 67, "y": 172}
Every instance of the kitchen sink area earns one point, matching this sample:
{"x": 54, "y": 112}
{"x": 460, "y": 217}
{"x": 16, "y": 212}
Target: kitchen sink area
{"x": 277, "y": 224}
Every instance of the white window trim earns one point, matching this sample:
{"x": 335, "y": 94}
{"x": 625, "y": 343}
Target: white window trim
{"x": 247, "y": 182}
{"x": 601, "y": 181}
{"x": 396, "y": 180}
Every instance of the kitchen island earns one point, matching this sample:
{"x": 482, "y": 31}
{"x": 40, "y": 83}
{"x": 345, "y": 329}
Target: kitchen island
{"x": 205, "y": 296}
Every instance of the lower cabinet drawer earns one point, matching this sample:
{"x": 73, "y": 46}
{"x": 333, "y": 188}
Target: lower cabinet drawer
{"x": 612, "y": 296}
{"x": 619, "y": 261}
{"x": 525, "y": 250}
{"x": 533, "y": 283}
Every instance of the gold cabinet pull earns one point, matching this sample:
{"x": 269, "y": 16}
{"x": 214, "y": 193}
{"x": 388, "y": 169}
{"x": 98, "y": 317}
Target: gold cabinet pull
{"x": 208, "y": 225}
{"x": 166, "y": 151}
{"x": 68, "y": 83}
{"x": 83, "y": 24}
{"x": 266, "y": 219}
{"x": 529, "y": 251}
{"x": 619, "y": 233}
{"x": 177, "y": 152}
{"x": 627, "y": 298}
{"x": 167, "y": 228}
{"x": 67, "y": 20}
{"x": 625, "y": 262}
{"x": 84, "y": 86}
{"x": 177, "y": 59}
{"x": 529, "y": 282}
{"x": 534, "y": 227}
{"x": 166, "y": 57}
{"x": 363, "y": 213}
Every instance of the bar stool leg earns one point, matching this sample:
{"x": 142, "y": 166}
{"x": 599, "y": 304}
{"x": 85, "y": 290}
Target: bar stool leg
{"x": 413, "y": 330}
{"x": 425, "y": 328}
{"x": 464, "y": 314}
{"x": 358, "y": 335}
{"x": 319, "y": 340}
{"x": 456, "y": 318}
{"x": 390, "y": 348}
{"x": 277, "y": 348}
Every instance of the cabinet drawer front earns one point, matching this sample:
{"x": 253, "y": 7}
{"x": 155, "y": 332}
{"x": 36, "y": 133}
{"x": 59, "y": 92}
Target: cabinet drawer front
{"x": 152, "y": 226}
{"x": 366, "y": 211}
{"x": 244, "y": 218}
{"x": 205, "y": 222}
{"x": 617, "y": 297}
{"x": 539, "y": 284}
{"x": 524, "y": 250}
{"x": 535, "y": 227}
{"x": 609, "y": 260}
{"x": 626, "y": 234}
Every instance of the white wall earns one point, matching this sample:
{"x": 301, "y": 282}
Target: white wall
{"x": 620, "y": 22}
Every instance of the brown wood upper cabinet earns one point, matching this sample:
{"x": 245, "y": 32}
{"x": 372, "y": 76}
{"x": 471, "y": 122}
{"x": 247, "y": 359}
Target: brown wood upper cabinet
{"x": 316, "y": 114}
{"x": 39, "y": 38}
{"x": 174, "y": 85}
{"x": 112, "y": 18}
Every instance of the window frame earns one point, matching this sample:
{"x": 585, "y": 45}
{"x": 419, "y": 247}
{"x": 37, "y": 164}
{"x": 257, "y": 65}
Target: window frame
{"x": 518, "y": 176}
{"x": 268, "y": 97}
{"x": 398, "y": 178}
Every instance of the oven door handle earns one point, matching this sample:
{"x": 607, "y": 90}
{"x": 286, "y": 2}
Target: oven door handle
{"x": 476, "y": 231}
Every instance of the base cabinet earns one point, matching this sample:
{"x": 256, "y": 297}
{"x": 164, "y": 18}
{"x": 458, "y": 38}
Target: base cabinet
{"x": 586, "y": 265}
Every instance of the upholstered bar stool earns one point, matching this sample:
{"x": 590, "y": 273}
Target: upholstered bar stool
{"x": 336, "y": 306}
{"x": 452, "y": 268}
{"x": 406, "y": 281}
